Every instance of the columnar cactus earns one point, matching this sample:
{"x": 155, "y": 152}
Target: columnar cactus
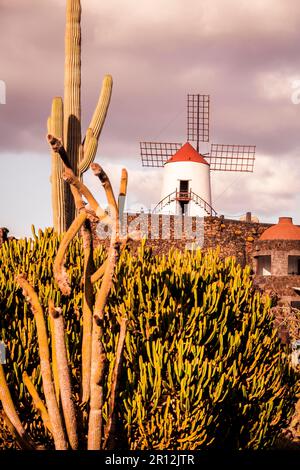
{"x": 64, "y": 122}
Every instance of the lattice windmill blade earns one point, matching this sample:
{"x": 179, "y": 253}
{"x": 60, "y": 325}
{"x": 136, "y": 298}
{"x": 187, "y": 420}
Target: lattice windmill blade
{"x": 231, "y": 157}
{"x": 198, "y": 118}
{"x": 156, "y": 154}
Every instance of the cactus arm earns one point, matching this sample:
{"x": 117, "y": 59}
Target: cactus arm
{"x": 123, "y": 183}
{"x": 98, "y": 171}
{"x": 98, "y": 355}
{"x": 96, "y": 125}
{"x": 64, "y": 376}
{"x": 98, "y": 274}
{"x": 90, "y": 154}
{"x": 70, "y": 178}
{"x": 38, "y": 403}
{"x": 60, "y": 273}
{"x": 58, "y": 147}
{"x": 82, "y": 189}
{"x": 102, "y": 107}
{"x": 23, "y": 442}
{"x": 72, "y": 82}
{"x": 87, "y": 310}
{"x": 96, "y": 392}
{"x": 103, "y": 292}
{"x": 115, "y": 380}
{"x": 55, "y": 418}
{"x": 54, "y": 361}
{"x": 55, "y": 127}
{"x": 122, "y": 196}
{"x": 86, "y": 140}
{"x": 101, "y": 270}
{"x": 11, "y": 416}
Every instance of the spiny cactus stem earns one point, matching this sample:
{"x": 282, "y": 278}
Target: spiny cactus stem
{"x": 95, "y": 425}
{"x": 115, "y": 380}
{"x": 60, "y": 273}
{"x": 122, "y": 195}
{"x": 84, "y": 191}
{"x": 136, "y": 235}
{"x": 123, "y": 182}
{"x": 94, "y": 130}
{"x": 55, "y": 127}
{"x": 12, "y": 418}
{"x": 99, "y": 273}
{"x": 37, "y": 401}
{"x": 89, "y": 155}
{"x": 23, "y": 442}
{"x": 54, "y": 361}
{"x": 55, "y": 418}
{"x": 64, "y": 376}
{"x": 72, "y": 179}
{"x": 72, "y": 82}
{"x": 102, "y": 106}
{"x": 89, "y": 135}
{"x": 103, "y": 292}
{"x": 87, "y": 310}
{"x": 98, "y": 353}
{"x": 58, "y": 147}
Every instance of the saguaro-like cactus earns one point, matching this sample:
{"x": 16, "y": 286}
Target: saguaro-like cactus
{"x": 64, "y": 122}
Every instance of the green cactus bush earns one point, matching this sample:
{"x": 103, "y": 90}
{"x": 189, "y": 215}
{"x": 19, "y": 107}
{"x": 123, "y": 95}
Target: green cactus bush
{"x": 202, "y": 365}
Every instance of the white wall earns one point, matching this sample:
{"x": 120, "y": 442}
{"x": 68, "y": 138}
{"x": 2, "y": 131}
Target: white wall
{"x": 198, "y": 175}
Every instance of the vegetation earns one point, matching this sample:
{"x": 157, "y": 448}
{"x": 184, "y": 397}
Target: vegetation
{"x": 202, "y": 365}
{"x": 178, "y": 351}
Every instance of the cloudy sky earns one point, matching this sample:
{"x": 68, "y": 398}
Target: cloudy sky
{"x": 244, "y": 54}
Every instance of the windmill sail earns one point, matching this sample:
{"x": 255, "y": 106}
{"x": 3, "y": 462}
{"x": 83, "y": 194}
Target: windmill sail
{"x": 198, "y": 119}
{"x": 156, "y": 154}
{"x": 222, "y": 157}
{"x": 231, "y": 157}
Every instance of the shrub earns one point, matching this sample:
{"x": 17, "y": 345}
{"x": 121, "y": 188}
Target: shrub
{"x": 202, "y": 368}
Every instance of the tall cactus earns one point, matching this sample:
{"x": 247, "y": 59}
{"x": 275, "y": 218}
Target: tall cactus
{"x": 65, "y": 122}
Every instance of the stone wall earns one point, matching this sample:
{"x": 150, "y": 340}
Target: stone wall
{"x": 279, "y": 250}
{"x": 235, "y": 238}
{"x": 279, "y": 287}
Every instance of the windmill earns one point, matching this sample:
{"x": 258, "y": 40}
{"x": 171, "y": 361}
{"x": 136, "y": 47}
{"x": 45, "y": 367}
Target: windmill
{"x": 186, "y": 188}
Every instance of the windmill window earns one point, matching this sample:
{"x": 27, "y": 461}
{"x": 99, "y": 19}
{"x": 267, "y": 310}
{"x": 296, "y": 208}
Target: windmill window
{"x": 264, "y": 265}
{"x": 183, "y": 186}
{"x": 294, "y": 265}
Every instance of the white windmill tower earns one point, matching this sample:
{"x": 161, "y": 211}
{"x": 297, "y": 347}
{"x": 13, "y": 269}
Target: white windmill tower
{"x": 186, "y": 188}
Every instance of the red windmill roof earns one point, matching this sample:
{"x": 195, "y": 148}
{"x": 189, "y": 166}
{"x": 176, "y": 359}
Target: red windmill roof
{"x": 284, "y": 230}
{"x": 187, "y": 153}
